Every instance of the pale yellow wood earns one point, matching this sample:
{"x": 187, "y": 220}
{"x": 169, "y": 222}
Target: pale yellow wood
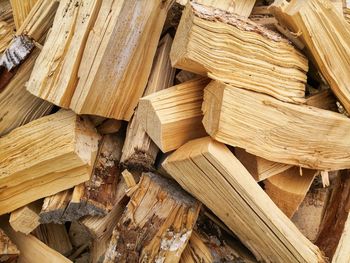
{"x": 241, "y": 52}
{"x": 173, "y": 116}
{"x": 211, "y": 173}
{"x": 326, "y": 34}
{"x": 240, "y": 7}
{"x": 26, "y": 218}
{"x": 288, "y": 189}
{"x": 281, "y": 132}
{"x": 44, "y": 157}
{"x": 21, "y": 9}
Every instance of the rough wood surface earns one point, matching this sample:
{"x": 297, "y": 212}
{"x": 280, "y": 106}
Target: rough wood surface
{"x": 26, "y": 218}
{"x": 8, "y": 250}
{"x": 6, "y": 32}
{"x": 209, "y": 42}
{"x": 288, "y": 189}
{"x": 21, "y": 10}
{"x": 211, "y": 173}
{"x": 276, "y": 130}
{"x": 156, "y": 225}
{"x": 324, "y": 99}
{"x": 57, "y": 151}
{"x": 326, "y": 35}
{"x": 173, "y": 116}
{"x": 258, "y": 167}
{"x": 240, "y": 7}
{"x": 139, "y": 151}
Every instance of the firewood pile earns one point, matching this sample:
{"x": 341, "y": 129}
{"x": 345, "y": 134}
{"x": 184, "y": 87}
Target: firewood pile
{"x": 174, "y": 131}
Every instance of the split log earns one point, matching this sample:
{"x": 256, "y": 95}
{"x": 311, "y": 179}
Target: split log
{"x": 91, "y": 58}
{"x": 32, "y": 250}
{"x": 139, "y": 151}
{"x": 173, "y": 116}
{"x": 21, "y": 10}
{"x": 209, "y": 42}
{"x": 326, "y": 35}
{"x": 240, "y": 7}
{"x": 56, "y": 237}
{"x": 8, "y": 250}
{"x": 258, "y": 167}
{"x": 26, "y": 218}
{"x": 211, "y": 173}
{"x": 276, "y": 130}
{"x": 94, "y": 197}
{"x": 6, "y": 32}
{"x": 156, "y": 225}
{"x": 335, "y": 218}
{"x": 288, "y": 189}
{"x": 61, "y": 157}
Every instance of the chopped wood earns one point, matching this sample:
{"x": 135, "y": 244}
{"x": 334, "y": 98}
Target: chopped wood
{"x": 258, "y": 167}
{"x": 326, "y": 35}
{"x": 209, "y": 42}
{"x": 338, "y": 4}
{"x": 61, "y": 157}
{"x": 139, "y": 151}
{"x": 94, "y": 197}
{"x": 32, "y": 250}
{"x": 6, "y": 11}
{"x": 129, "y": 179}
{"x": 173, "y": 116}
{"x": 26, "y": 218}
{"x": 288, "y": 189}
{"x": 21, "y": 10}
{"x": 276, "y": 130}
{"x": 8, "y": 250}
{"x": 156, "y": 225}
{"x": 336, "y": 216}
{"x": 240, "y": 7}
{"x": 324, "y": 99}
{"x": 6, "y": 32}
{"x": 109, "y": 126}
{"x": 210, "y": 172}
{"x": 56, "y": 237}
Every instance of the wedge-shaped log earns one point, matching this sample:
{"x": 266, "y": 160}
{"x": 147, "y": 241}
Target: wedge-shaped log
{"x": 44, "y": 157}
{"x": 156, "y": 225}
{"x": 99, "y": 55}
{"x": 211, "y": 173}
{"x": 172, "y": 117}
{"x": 326, "y": 34}
{"x": 227, "y": 48}
{"x": 282, "y": 132}
{"x": 289, "y": 188}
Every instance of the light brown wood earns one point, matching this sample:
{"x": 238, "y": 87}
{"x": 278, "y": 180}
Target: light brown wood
{"x": 56, "y": 237}
{"x": 240, "y": 7}
{"x": 139, "y": 151}
{"x": 173, "y": 116}
{"x": 326, "y": 35}
{"x": 8, "y": 250}
{"x": 276, "y": 130}
{"x": 211, "y": 173}
{"x": 21, "y": 10}
{"x": 209, "y": 42}
{"x": 156, "y": 225}
{"x": 57, "y": 151}
{"x": 184, "y": 76}
{"x": 109, "y": 126}
{"x": 26, "y": 218}
{"x": 324, "y": 99}
{"x": 258, "y": 167}
{"x": 288, "y": 189}
{"x": 6, "y": 32}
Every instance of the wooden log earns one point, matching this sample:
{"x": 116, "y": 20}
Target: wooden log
{"x": 85, "y": 62}
{"x": 258, "y": 167}
{"x": 61, "y": 157}
{"x": 56, "y": 237}
{"x": 8, "y": 250}
{"x": 211, "y": 173}
{"x": 326, "y": 35}
{"x": 94, "y": 197}
{"x": 139, "y": 151}
{"x": 32, "y": 250}
{"x": 209, "y": 42}
{"x": 336, "y": 215}
{"x": 156, "y": 225}
{"x": 26, "y": 218}
{"x": 6, "y": 32}
{"x": 240, "y": 7}
{"x": 21, "y": 10}
{"x": 167, "y": 123}
{"x": 288, "y": 189}
{"x": 285, "y": 129}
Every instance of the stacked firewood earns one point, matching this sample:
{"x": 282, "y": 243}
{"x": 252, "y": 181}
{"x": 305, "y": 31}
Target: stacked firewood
{"x": 174, "y": 131}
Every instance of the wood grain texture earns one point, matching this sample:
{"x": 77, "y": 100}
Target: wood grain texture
{"x": 281, "y": 132}
{"x": 211, "y": 173}
{"x": 240, "y": 7}
{"x": 26, "y": 218}
{"x": 224, "y": 47}
{"x": 8, "y": 250}
{"x": 21, "y": 10}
